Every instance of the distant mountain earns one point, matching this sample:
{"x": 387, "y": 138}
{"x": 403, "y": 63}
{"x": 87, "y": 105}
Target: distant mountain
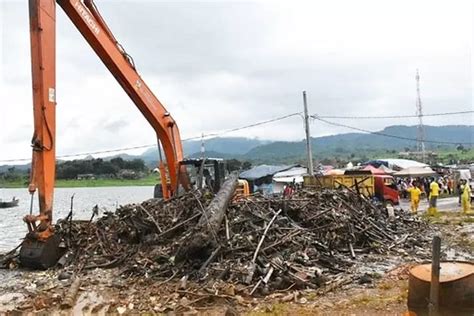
{"x": 326, "y": 146}
{"x": 341, "y": 145}
{"x": 214, "y": 154}
{"x": 123, "y": 156}
{"x": 360, "y": 142}
{"x": 449, "y": 134}
{"x": 225, "y": 147}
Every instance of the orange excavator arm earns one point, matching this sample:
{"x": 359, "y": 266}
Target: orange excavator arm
{"x": 90, "y": 24}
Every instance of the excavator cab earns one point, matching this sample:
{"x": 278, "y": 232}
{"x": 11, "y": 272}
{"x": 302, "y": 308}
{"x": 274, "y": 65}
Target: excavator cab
{"x": 204, "y": 173}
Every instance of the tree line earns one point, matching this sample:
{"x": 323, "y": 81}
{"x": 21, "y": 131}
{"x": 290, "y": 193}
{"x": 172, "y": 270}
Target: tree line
{"x": 71, "y": 169}
{"x": 99, "y": 167}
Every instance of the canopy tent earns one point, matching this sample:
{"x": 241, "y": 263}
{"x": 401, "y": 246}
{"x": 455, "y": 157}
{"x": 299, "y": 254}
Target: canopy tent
{"x": 261, "y": 177}
{"x": 283, "y": 178}
{"x": 263, "y": 171}
{"x": 322, "y": 169}
{"x": 334, "y": 172}
{"x": 373, "y": 169}
{"x": 415, "y": 172}
{"x": 386, "y": 170}
{"x": 397, "y": 164}
{"x": 295, "y": 173}
{"x": 297, "y": 179}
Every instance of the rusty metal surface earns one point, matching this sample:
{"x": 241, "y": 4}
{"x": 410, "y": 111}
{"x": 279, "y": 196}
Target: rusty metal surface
{"x": 456, "y": 287}
{"x": 450, "y": 271}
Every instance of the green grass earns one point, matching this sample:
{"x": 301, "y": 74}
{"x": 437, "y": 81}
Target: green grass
{"x": 11, "y": 184}
{"x": 445, "y": 155}
{"x": 149, "y": 180}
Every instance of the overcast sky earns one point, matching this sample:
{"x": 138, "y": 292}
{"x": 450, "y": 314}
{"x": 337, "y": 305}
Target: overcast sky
{"x": 219, "y": 64}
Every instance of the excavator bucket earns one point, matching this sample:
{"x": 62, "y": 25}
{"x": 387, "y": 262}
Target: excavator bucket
{"x": 36, "y": 254}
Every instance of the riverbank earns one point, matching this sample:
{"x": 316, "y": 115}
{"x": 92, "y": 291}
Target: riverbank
{"x": 13, "y": 229}
{"x": 149, "y": 180}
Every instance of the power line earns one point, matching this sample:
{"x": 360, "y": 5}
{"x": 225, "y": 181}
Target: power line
{"x": 217, "y": 134}
{"x": 87, "y": 153}
{"x": 243, "y": 127}
{"x": 394, "y": 116}
{"x": 208, "y": 136}
{"x": 316, "y": 117}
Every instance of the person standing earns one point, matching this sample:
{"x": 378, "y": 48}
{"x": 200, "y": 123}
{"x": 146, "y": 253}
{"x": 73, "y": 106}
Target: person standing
{"x": 450, "y": 185}
{"x": 433, "y": 197}
{"x": 460, "y": 190}
{"x": 415, "y": 193}
{"x": 466, "y": 197}
{"x": 288, "y": 191}
{"x": 443, "y": 188}
{"x": 404, "y": 188}
{"x": 426, "y": 186}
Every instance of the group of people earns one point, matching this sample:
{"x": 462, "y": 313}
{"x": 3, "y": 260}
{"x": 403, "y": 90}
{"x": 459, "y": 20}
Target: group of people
{"x": 445, "y": 184}
{"x": 432, "y": 189}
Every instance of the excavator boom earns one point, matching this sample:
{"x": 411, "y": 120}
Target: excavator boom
{"x": 37, "y": 248}
{"x": 90, "y": 24}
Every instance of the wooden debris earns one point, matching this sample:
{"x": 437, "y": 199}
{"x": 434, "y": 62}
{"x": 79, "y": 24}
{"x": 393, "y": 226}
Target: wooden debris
{"x": 264, "y": 245}
{"x": 203, "y": 237}
{"x": 70, "y": 297}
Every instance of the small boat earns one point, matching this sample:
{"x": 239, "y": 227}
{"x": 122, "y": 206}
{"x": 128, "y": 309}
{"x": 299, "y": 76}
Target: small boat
{"x": 6, "y": 204}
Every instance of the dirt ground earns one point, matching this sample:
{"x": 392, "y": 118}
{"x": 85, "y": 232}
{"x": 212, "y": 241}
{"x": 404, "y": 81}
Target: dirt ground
{"x": 383, "y": 290}
{"x": 387, "y": 294}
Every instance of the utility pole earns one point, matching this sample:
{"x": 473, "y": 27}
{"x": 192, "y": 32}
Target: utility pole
{"x": 308, "y": 136}
{"x": 201, "y": 167}
{"x": 419, "y": 112}
{"x": 203, "y": 150}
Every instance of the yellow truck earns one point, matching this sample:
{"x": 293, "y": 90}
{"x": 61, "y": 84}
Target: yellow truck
{"x": 378, "y": 186}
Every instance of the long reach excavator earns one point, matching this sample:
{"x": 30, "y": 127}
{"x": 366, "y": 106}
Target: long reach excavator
{"x": 40, "y": 248}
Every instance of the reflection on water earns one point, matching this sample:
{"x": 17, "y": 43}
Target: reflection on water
{"x": 12, "y": 228}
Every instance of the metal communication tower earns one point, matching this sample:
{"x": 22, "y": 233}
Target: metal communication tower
{"x": 420, "y": 137}
{"x": 203, "y": 149}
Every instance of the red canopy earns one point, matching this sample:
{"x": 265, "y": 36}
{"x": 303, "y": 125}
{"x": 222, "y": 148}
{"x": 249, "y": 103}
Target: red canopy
{"x": 373, "y": 170}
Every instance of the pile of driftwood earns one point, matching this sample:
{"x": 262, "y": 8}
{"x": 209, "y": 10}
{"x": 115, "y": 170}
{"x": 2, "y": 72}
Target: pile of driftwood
{"x": 256, "y": 243}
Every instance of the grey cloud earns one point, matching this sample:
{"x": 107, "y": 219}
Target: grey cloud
{"x": 221, "y": 65}
{"x": 114, "y": 125}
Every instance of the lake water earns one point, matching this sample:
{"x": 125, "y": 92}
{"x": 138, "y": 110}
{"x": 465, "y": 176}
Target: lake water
{"x": 13, "y": 229}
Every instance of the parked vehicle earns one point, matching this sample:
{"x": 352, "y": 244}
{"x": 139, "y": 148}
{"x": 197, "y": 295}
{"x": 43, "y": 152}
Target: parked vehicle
{"x": 381, "y": 187}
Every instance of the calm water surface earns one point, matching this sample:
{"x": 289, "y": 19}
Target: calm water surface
{"x": 12, "y": 228}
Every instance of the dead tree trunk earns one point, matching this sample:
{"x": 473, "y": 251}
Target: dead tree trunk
{"x": 203, "y": 239}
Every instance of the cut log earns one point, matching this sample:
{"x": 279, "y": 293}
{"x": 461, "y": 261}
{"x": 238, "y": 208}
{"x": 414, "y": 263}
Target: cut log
{"x": 203, "y": 239}
{"x": 70, "y": 297}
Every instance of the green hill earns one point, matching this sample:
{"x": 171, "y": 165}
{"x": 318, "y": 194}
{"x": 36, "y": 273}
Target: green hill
{"x": 225, "y": 147}
{"x": 347, "y": 146}
{"x": 350, "y": 146}
{"x": 359, "y": 143}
